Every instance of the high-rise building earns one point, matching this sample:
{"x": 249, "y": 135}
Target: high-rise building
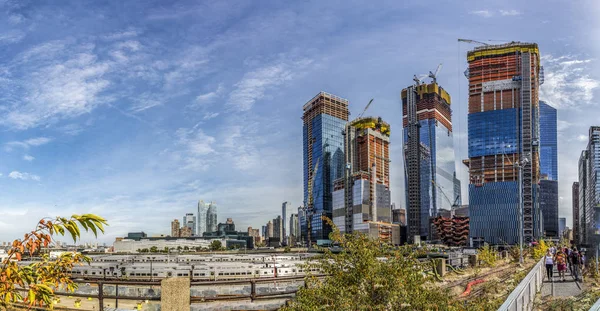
{"x": 503, "y": 133}
{"x": 269, "y": 230}
{"x": 202, "y": 217}
{"x": 302, "y": 224}
{"x": 284, "y": 214}
{"x": 575, "y": 206}
{"x": 278, "y": 227}
{"x": 324, "y": 119}
{"x": 185, "y": 232}
{"x": 211, "y": 217}
{"x": 548, "y": 170}
{"x": 294, "y": 229}
{"x": 363, "y": 194}
{"x": 189, "y": 220}
{"x": 589, "y": 189}
{"x": 175, "y": 228}
{"x": 399, "y": 216}
{"x": 428, "y": 155}
{"x": 562, "y": 225}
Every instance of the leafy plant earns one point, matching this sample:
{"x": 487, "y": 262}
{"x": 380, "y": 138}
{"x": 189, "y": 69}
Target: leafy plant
{"x": 369, "y": 275}
{"x": 488, "y": 255}
{"x": 41, "y": 278}
{"x": 539, "y": 250}
{"x": 216, "y": 245}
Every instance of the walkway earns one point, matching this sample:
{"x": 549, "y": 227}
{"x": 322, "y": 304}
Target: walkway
{"x": 568, "y": 288}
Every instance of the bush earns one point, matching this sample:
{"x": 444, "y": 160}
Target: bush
{"x": 488, "y": 255}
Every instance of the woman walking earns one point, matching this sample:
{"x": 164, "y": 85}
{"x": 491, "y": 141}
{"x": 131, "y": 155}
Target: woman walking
{"x": 561, "y": 264}
{"x": 549, "y": 265}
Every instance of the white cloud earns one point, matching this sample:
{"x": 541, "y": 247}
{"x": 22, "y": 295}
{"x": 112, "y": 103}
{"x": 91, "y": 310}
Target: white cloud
{"x": 198, "y": 148}
{"x": 28, "y": 158}
{"x": 11, "y": 37}
{"x": 210, "y": 115}
{"x": 26, "y": 144}
{"x": 255, "y": 84}
{"x": 23, "y": 176}
{"x": 509, "y": 12}
{"x": 58, "y": 90}
{"x": 482, "y": 13}
{"x": 566, "y": 84}
{"x": 582, "y": 138}
{"x": 121, "y": 35}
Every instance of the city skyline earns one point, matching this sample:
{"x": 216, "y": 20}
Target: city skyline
{"x": 115, "y": 114}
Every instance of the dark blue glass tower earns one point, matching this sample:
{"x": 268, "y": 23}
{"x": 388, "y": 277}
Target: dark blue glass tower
{"x": 325, "y": 117}
{"x": 549, "y": 169}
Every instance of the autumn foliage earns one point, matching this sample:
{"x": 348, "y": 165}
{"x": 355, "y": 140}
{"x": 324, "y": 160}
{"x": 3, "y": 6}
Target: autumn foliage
{"x": 35, "y": 283}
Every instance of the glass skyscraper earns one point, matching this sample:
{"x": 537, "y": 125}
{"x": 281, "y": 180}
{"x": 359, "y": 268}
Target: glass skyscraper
{"x": 548, "y": 169}
{"x": 324, "y": 119}
{"x": 503, "y": 130}
{"x": 589, "y": 190}
{"x": 429, "y": 156}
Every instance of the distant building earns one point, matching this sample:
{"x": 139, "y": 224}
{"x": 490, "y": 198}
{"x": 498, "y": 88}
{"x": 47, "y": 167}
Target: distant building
{"x": 189, "y": 220}
{"x": 548, "y": 169}
{"x": 294, "y": 229}
{"x": 399, "y": 216}
{"x": 211, "y": 217}
{"x": 562, "y": 225}
{"x": 284, "y": 217}
{"x": 185, "y": 232}
{"x": 269, "y": 230}
{"x": 255, "y": 233}
{"x": 278, "y": 228}
{"x": 175, "y": 227}
{"x": 202, "y": 217}
{"x": 136, "y": 235}
{"x": 324, "y": 120}
{"x": 589, "y": 190}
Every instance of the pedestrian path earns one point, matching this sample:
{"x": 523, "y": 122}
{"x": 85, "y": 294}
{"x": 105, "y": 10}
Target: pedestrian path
{"x": 568, "y": 288}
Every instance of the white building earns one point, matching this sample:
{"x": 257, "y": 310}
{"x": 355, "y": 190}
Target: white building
{"x": 132, "y": 246}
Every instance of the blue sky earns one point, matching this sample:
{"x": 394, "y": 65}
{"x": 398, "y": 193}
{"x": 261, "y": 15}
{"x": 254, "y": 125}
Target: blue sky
{"x": 137, "y": 110}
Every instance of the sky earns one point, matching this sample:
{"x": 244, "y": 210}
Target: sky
{"x": 135, "y": 110}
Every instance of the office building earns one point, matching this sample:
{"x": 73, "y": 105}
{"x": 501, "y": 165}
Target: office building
{"x": 211, "y": 217}
{"x": 503, "y": 133}
{"x": 589, "y": 189}
{"x": 302, "y": 224}
{"x": 294, "y": 229}
{"x": 428, "y": 156}
{"x": 185, "y": 232}
{"x": 175, "y": 227}
{"x": 278, "y": 227}
{"x": 269, "y": 230}
{"x": 284, "y": 217}
{"x": 548, "y": 170}
{"x": 189, "y": 220}
{"x": 363, "y": 194}
{"x": 575, "y": 207}
{"x": 399, "y": 216}
{"x": 562, "y": 225}
{"x": 201, "y": 219}
{"x": 324, "y": 120}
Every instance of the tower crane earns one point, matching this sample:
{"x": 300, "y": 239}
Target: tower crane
{"x": 367, "y": 107}
{"x": 432, "y": 75}
{"x": 453, "y": 206}
{"x": 472, "y": 41}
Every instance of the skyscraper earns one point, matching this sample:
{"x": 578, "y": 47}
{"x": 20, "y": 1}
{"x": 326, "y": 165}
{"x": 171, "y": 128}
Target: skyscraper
{"x": 589, "y": 189}
{"x": 562, "y": 225}
{"x": 503, "y": 131}
{"x": 324, "y": 119}
{"x": 269, "y": 230}
{"x": 284, "y": 213}
{"x": 201, "y": 219}
{"x": 211, "y": 217}
{"x": 294, "y": 229}
{"x": 548, "y": 169}
{"x": 575, "y": 206}
{"x": 189, "y": 220}
{"x": 175, "y": 228}
{"x": 278, "y": 227}
{"x": 363, "y": 194}
{"x": 428, "y": 155}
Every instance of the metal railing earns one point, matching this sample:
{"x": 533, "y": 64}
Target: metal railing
{"x": 523, "y": 295}
{"x": 596, "y": 306}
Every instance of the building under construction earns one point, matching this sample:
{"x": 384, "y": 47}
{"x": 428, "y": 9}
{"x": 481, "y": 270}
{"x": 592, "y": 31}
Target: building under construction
{"x": 503, "y": 135}
{"x": 428, "y": 156}
{"x": 325, "y": 117}
{"x": 361, "y": 199}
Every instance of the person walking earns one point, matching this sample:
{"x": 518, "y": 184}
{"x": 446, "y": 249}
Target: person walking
{"x": 561, "y": 264}
{"x": 575, "y": 261}
{"x": 549, "y": 265}
{"x": 567, "y": 252}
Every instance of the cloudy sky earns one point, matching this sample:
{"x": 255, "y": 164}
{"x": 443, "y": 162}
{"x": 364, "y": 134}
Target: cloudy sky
{"x": 137, "y": 110}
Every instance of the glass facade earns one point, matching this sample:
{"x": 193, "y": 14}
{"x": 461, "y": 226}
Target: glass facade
{"x": 437, "y": 170}
{"x": 548, "y": 142}
{"x": 549, "y": 206}
{"x": 493, "y": 208}
{"x": 493, "y": 132}
{"x": 328, "y": 149}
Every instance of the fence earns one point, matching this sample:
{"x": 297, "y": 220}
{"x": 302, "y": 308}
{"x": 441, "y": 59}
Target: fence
{"x": 523, "y": 295}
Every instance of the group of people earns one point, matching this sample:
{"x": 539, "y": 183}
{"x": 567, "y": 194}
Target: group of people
{"x": 563, "y": 258}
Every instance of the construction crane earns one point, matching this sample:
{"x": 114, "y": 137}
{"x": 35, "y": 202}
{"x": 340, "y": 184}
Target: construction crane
{"x": 309, "y": 210}
{"x": 471, "y": 41}
{"x": 454, "y": 206}
{"x": 367, "y": 107}
{"x": 432, "y": 75}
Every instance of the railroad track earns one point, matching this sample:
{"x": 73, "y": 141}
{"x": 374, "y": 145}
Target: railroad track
{"x": 481, "y": 276}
